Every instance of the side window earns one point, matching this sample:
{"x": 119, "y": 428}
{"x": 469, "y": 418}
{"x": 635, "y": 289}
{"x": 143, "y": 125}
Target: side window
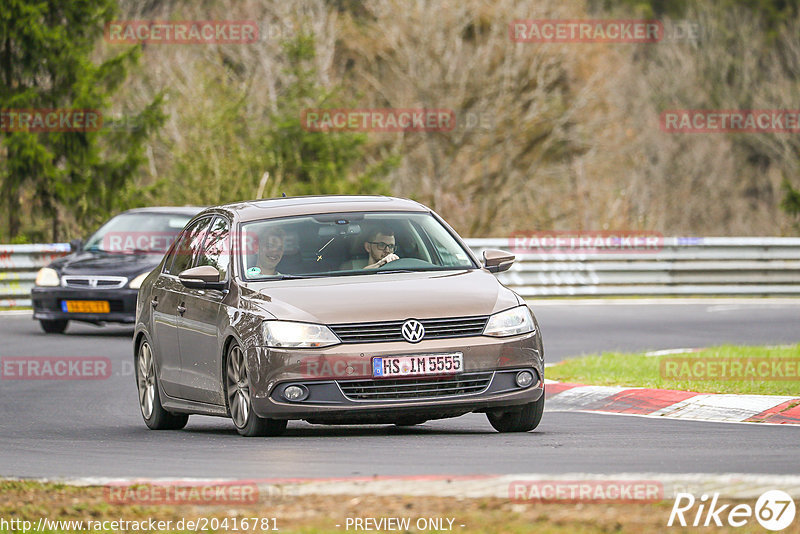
{"x": 216, "y": 248}
{"x": 171, "y": 253}
{"x": 189, "y": 246}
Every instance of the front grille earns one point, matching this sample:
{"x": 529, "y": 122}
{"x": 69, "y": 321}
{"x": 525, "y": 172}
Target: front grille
{"x": 416, "y": 388}
{"x": 392, "y": 330}
{"x": 94, "y": 282}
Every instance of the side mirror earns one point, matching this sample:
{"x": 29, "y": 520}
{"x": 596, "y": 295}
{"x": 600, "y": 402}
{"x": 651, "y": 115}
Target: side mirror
{"x": 497, "y": 261}
{"x": 75, "y": 245}
{"x": 203, "y": 277}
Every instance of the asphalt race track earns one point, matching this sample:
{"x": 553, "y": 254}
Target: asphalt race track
{"x": 93, "y": 428}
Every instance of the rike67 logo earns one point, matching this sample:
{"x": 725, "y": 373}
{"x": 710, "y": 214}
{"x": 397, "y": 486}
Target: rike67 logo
{"x": 774, "y": 511}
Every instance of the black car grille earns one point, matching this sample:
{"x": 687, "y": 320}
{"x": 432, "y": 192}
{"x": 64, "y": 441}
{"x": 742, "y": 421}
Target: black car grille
{"x": 392, "y": 330}
{"x": 94, "y": 282}
{"x": 416, "y": 388}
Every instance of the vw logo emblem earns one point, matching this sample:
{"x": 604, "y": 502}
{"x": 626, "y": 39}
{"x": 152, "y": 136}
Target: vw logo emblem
{"x": 413, "y": 331}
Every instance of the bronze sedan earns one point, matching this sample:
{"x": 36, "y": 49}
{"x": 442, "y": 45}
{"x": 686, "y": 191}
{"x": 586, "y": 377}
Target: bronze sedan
{"x": 334, "y": 310}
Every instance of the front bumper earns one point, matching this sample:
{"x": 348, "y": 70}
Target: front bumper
{"x": 331, "y": 374}
{"x": 47, "y": 304}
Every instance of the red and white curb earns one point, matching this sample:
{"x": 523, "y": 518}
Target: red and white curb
{"x": 676, "y": 404}
{"x": 731, "y": 486}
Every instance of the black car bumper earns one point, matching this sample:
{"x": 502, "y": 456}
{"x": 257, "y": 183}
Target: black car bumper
{"x": 48, "y": 304}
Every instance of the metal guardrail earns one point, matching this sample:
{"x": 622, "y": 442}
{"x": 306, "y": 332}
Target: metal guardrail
{"x": 718, "y": 266}
{"x": 724, "y": 266}
{"x": 18, "y": 266}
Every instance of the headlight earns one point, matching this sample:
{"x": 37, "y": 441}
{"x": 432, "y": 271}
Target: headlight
{"x": 136, "y": 283}
{"x": 510, "y": 323}
{"x": 286, "y": 334}
{"x": 47, "y": 277}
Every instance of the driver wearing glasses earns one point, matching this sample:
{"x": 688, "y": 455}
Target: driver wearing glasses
{"x": 380, "y": 246}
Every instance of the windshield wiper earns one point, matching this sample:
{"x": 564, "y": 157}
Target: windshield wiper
{"x": 285, "y": 277}
{"x": 436, "y": 269}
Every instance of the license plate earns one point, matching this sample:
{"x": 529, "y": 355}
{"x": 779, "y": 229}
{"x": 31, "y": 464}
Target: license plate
{"x": 85, "y": 306}
{"x": 417, "y": 365}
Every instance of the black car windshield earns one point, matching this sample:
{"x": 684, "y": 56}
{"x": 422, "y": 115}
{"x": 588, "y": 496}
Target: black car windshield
{"x": 137, "y": 233}
{"x": 348, "y": 244}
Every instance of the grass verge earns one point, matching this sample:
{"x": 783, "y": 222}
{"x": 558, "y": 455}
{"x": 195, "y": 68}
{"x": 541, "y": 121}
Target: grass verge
{"x": 29, "y": 501}
{"x": 757, "y": 370}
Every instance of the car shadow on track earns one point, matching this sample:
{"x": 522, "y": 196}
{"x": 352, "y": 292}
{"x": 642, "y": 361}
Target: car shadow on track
{"x": 324, "y": 431}
{"x": 93, "y": 332}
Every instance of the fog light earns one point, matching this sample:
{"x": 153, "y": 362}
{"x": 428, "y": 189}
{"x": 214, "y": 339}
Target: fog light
{"x": 295, "y": 393}
{"x": 524, "y": 379}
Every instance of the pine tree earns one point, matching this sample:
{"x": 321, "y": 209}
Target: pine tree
{"x": 45, "y": 63}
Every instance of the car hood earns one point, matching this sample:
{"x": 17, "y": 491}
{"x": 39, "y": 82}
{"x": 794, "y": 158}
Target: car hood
{"x": 384, "y": 297}
{"x": 105, "y": 264}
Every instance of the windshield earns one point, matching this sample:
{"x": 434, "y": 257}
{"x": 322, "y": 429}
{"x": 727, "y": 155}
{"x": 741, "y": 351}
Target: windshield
{"x": 137, "y": 233}
{"x": 348, "y": 244}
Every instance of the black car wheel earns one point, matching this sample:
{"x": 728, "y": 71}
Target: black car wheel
{"x": 155, "y": 416}
{"x": 54, "y": 326}
{"x": 521, "y": 419}
{"x": 237, "y": 393}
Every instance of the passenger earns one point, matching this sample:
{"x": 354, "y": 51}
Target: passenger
{"x": 270, "y": 253}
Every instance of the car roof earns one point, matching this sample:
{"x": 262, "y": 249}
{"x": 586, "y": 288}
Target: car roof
{"x": 307, "y": 205}
{"x": 176, "y": 210}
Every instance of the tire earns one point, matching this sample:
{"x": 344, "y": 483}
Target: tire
{"x": 54, "y": 326}
{"x": 518, "y": 420}
{"x": 154, "y": 415}
{"x": 237, "y": 396}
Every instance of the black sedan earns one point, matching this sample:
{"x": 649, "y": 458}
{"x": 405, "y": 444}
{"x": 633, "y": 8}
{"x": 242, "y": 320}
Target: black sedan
{"x": 99, "y": 281}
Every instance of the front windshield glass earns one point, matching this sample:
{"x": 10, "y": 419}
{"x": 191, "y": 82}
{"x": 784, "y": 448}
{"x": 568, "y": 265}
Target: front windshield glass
{"x": 137, "y": 233}
{"x": 348, "y": 244}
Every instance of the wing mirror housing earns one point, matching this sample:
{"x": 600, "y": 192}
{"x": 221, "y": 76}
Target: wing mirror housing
{"x": 75, "y": 245}
{"x": 203, "y": 277}
{"x": 497, "y": 261}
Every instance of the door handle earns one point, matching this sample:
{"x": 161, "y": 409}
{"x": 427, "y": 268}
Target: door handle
{"x": 181, "y": 309}
{"x": 154, "y": 302}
